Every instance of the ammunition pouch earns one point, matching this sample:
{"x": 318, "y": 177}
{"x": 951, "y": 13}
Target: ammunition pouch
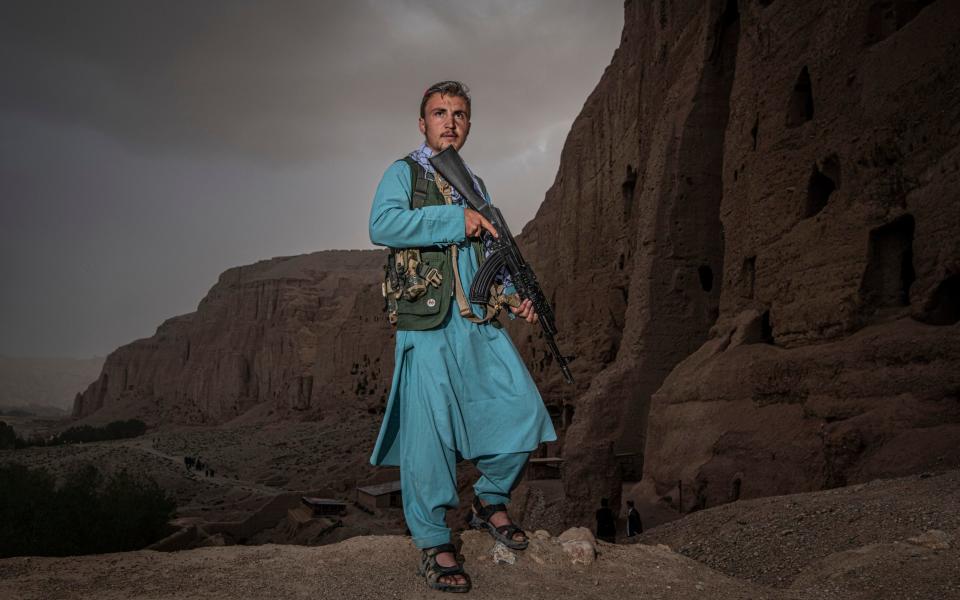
{"x": 408, "y": 276}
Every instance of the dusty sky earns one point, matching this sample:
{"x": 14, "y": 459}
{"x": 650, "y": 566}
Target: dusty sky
{"x": 146, "y": 147}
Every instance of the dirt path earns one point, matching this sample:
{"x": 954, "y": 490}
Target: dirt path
{"x": 145, "y": 444}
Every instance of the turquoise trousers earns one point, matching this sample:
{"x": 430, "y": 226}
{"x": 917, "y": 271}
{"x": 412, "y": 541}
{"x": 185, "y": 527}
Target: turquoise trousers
{"x": 428, "y": 476}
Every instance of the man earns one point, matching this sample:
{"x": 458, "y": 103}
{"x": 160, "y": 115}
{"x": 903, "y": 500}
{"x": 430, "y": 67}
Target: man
{"x": 460, "y": 390}
{"x": 634, "y": 525}
{"x": 606, "y": 522}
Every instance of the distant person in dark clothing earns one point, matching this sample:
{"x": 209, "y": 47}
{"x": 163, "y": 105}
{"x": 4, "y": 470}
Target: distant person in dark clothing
{"x": 606, "y": 522}
{"x": 634, "y": 526}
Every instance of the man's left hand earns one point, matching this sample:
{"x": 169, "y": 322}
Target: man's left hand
{"x": 525, "y": 311}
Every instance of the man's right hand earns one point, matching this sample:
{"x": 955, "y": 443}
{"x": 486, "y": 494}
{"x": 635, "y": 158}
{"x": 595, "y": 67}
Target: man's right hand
{"x": 475, "y": 223}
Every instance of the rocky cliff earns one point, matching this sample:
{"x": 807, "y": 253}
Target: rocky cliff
{"x": 752, "y": 242}
{"x": 292, "y": 335}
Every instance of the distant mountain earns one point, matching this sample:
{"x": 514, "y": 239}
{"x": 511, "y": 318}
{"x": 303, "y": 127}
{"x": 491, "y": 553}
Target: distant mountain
{"x": 293, "y": 335}
{"x": 45, "y": 386}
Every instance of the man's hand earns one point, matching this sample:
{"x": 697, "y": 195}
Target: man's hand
{"x": 475, "y": 223}
{"x": 525, "y": 311}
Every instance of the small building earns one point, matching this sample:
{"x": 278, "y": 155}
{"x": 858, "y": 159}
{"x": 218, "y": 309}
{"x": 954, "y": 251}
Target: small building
{"x": 324, "y": 507}
{"x": 381, "y": 495}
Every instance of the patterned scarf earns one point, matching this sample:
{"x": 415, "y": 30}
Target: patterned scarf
{"x": 421, "y": 155}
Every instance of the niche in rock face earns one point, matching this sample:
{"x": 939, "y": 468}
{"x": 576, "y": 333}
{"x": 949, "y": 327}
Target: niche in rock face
{"x": 800, "y": 107}
{"x": 705, "y": 273}
{"x": 629, "y": 185}
{"x": 821, "y": 185}
{"x": 888, "y": 16}
{"x": 889, "y": 273}
{"x": 766, "y": 328}
{"x": 748, "y": 276}
{"x": 943, "y": 308}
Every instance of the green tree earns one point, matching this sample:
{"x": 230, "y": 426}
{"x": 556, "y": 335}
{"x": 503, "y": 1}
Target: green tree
{"x": 87, "y": 513}
{"x": 8, "y": 437}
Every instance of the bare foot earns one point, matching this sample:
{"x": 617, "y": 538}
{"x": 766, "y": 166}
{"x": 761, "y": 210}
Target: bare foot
{"x": 447, "y": 559}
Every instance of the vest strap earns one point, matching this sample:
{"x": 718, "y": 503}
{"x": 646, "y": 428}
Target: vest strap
{"x": 493, "y": 305}
{"x": 420, "y": 186}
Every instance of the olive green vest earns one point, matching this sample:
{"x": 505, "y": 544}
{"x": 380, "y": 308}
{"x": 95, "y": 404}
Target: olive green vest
{"x": 429, "y": 310}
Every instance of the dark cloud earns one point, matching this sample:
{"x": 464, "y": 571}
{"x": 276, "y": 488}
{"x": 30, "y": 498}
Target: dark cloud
{"x": 147, "y": 146}
{"x": 288, "y": 80}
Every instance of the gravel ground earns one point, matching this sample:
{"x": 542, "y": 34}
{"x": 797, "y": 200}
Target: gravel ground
{"x": 859, "y": 533}
{"x": 366, "y": 568}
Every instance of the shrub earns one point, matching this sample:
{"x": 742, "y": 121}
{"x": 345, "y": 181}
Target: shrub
{"x": 8, "y": 437}
{"x": 88, "y": 513}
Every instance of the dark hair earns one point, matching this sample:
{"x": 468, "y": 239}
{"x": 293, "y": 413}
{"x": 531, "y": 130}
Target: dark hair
{"x": 445, "y": 88}
{"x": 629, "y": 502}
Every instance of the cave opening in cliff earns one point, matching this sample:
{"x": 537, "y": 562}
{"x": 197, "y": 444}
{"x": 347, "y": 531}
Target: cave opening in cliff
{"x": 755, "y": 130}
{"x": 735, "y": 490}
{"x": 766, "y": 328}
{"x": 628, "y": 187}
{"x": 889, "y": 273}
{"x": 800, "y": 107}
{"x": 944, "y": 305}
{"x": 819, "y": 189}
{"x": 830, "y": 167}
{"x": 706, "y": 277}
{"x": 727, "y": 34}
{"x": 888, "y": 16}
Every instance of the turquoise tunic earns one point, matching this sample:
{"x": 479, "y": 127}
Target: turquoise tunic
{"x": 482, "y": 398}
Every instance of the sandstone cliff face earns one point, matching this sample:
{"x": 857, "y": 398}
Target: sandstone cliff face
{"x": 295, "y": 335}
{"x": 774, "y": 184}
{"x": 632, "y": 228}
{"x": 835, "y": 358}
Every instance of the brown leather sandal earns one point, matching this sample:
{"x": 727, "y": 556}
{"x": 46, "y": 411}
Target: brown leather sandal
{"x": 480, "y": 519}
{"x": 433, "y": 571}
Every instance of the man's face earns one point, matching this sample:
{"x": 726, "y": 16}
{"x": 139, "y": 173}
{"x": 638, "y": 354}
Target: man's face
{"x": 446, "y": 122}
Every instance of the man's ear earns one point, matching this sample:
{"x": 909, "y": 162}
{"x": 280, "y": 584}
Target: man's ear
{"x": 423, "y": 126}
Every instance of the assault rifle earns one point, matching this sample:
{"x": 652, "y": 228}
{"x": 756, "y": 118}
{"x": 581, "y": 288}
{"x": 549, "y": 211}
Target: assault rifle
{"x": 504, "y": 253}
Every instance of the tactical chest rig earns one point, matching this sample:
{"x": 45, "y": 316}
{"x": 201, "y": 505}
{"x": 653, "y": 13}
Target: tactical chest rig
{"x": 419, "y": 282}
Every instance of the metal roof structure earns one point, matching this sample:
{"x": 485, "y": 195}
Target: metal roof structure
{"x": 381, "y": 488}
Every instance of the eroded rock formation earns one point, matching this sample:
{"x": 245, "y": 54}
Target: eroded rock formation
{"x": 263, "y": 335}
{"x": 775, "y": 184}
